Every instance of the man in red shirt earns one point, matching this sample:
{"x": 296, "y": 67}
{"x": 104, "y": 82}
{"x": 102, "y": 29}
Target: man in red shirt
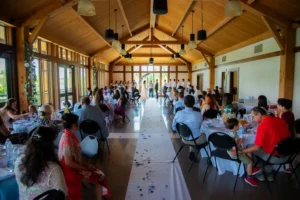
{"x": 270, "y": 132}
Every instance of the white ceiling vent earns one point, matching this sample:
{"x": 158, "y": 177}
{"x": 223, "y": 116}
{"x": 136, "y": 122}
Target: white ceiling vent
{"x": 224, "y": 59}
{"x": 258, "y": 48}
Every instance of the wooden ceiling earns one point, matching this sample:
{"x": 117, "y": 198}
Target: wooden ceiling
{"x": 85, "y": 34}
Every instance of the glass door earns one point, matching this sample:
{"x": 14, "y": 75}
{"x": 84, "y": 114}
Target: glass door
{"x": 3, "y": 80}
{"x": 66, "y": 85}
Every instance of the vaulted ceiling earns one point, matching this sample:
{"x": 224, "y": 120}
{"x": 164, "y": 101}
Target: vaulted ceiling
{"x": 86, "y": 34}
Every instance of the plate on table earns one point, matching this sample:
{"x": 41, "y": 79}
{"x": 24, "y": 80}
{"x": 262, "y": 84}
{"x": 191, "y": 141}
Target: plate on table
{"x": 5, "y": 173}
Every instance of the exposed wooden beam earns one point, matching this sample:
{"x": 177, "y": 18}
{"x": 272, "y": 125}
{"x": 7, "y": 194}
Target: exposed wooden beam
{"x": 51, "y": 9}
{"x": 171, "y": 51}
{"x": 32, "y": 37}
{"x": 100, "y": 51}
{"x": 263, "y": 10}
{"x": 135, "y": 49}
{"x": 150, "y": 46}
{"x": 185, "y": 14}
{"x": 212, "y": 72}
{"x": 136, "y": 32}
{"x": 165, "y": 32}
{"x": 205, "y": 58}
{"x": 150, "y": 42}
{"x": 116, "y": 60}
{"x": 153, "y": 55}
{"x": 130, "y": 51}
{"x": 156, "y": 64}
{"x": 152, "y": 15}
{"x": 124, "y": 16}
{"x": 272, "y": 28}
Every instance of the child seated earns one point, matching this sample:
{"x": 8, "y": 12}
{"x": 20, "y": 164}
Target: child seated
{"x": 233, "y": 125}
{"x": 32, "y": 110}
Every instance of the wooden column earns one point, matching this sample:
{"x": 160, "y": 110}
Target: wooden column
{"x": 212, "y": 72}
{"x": 287, "y": 65}
{"x": 111, "y": 67}
{"x": 124, "y": 76}
{"x": 20, "y": 43}
{"x": 189, "y": 68}
{"x": 91, "y": 77}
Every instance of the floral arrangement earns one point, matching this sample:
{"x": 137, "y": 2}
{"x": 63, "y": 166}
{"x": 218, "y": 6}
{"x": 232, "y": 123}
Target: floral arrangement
{"x": 30, "y": 83}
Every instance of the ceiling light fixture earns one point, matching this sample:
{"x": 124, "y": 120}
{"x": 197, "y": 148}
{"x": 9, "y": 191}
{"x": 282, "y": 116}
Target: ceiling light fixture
{"x": 123, "y": 50}
{"x": 192, "y": 44}
{"x": 172, "y": 58}
{"x": 202, "y": 33}
{"x": 116, "y": 43}
{"x": 109, "y": 33}
{"x": 151, "y": 59}
{"x": 233, "y": 8}
{"x": 86, "y": 8}
{"x": 182, "y": 52}
{"x": 160, "y": 7}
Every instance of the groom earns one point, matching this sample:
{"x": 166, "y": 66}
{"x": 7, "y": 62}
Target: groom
{"x": 156, "y": 88}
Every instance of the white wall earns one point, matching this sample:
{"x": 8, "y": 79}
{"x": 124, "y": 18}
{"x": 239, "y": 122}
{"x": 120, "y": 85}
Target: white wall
{"x": 296, "y": 99}
{"x": 205, "y": 73}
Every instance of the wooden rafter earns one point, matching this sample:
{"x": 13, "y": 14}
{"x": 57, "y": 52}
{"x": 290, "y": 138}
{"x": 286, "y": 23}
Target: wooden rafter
{"x": 150, "y": 42}
{"x": 152, "y": 16}
{"x": 153, "y": 55}
{"x": 250, "y": 1}
{"x": 32, "y": 37}
{"x": 260, "y": 9}
{"x": 186, "y": 12}
{"x": 272, "y": 28}
{"x": 100, "y": 51}
{"x": 51, "y": 9}
{"x": 124, "y": 16}
{"x": 171, "y": 51}
{"x": 164, "y": 32}
{"x": 205, "y": 58}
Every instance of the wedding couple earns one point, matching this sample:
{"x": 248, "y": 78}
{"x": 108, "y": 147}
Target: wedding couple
{"x": 144, "y": 93}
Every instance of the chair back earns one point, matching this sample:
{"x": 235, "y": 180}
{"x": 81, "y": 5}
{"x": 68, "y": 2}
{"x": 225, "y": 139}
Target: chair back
{"x": 179, "y": 109}
{"x": 51, "y": 195}
{"x": 184, "y": 131}
{"x": 210, "y": 114}
{"x": 221, "y": 141}
{"x": 288, "y": 146}
{"x": 89, "y": 146}
{"x": 196, "y": 109}
{"x": 242, "y": 112}
{"x": 297, "y": 126}
{"x": 32, "y": 131}
{"x": 89, "y": 127}
{"x": 103, "y": 108}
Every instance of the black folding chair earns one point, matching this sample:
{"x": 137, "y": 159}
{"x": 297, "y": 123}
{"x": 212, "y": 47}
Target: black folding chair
{"x": 91, "y": 127}
{"x": 185, "y": 132}
{"x": 223, "y": 143}
{"x": 241, "y": 111}
{"x": 297, "y": 126}
{"x": 51, "y": 195}
{"x": 196, "y": 109}
{"x": 179, "y": 109}
{"x": 210, "y": 114}
{"x": 288, "y": 148}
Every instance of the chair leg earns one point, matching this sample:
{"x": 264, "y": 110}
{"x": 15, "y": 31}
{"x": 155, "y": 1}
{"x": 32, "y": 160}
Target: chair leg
{"x": 206, "y": 170}
{"x": 216, "y": 163}
{"x": 266, "y": 178}
{"x": 107, "y": 146}
{"x": 294, "y": 171}
{"x": 256, "y": 162}
{"x": 178, "y": 152}
{"x": 237, "y": 177}
{"x": 193, "y": 161}
{"x": 277, "y": 171}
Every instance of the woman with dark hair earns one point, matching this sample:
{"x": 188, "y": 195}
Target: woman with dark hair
{"x": 9, "y": 112}
{"x": 39, "y": 170}
{"x": 210, "y": 104}
{"x": 116, "y": 95}
{"x": 100, "y": 102}
{"x": 263, "y": 102}
{"x": 283, "y": 111}
{"x": 69, "y": 154}
{"x": 204, "y": 93}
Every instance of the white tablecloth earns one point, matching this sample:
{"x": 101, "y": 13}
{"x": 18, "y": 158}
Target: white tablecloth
{"x": 22, "y": 126}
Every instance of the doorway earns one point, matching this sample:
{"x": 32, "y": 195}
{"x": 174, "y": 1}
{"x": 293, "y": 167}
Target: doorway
{"x": 200, "y": 82}
{"x": 230, "y": 82}
{"x": 66, "y": 85}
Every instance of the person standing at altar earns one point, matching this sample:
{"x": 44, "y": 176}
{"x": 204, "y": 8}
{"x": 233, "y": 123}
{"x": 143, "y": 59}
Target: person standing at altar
{"x": 170, "y": 83}
{"x": 150, "y": 87}
{"x": 188, "y": 85}
{"x": 156, "y": 88}
{"x": 183, "y": 84}
{"x": 174, "y": 83}
{"x": 178, "y": 84}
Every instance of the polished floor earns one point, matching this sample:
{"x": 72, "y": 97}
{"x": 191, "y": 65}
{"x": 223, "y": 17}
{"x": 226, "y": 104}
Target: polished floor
{"x": 117, "y": 167}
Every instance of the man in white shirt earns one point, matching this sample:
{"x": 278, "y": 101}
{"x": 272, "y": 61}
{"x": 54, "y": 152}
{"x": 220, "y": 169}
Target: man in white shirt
{"x": 170, "y": 83}
{"x": 178, "y": 84}
{"x": 183, "y": 83}
{"x": 174, "y": 83}
{"x": 197, "y": 93}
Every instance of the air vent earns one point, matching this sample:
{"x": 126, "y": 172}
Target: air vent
{"x": 205, "y": 64}
{"x": 258, "y": 48}
{"x": 224, "y": 59}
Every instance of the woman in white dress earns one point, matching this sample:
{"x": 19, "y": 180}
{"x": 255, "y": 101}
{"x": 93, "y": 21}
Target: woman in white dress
{"x": 144, "y": 93}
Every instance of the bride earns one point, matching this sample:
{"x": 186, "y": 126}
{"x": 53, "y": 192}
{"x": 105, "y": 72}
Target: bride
{"x": 144, "y": 93}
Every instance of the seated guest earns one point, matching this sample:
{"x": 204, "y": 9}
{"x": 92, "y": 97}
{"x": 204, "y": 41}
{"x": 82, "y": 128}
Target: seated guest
{"x": 120, "y": 107}
{"x": 191, "y": 90}
{"x": 180, "y": 102}
{"x": 69, "y": 154}
{"x": 210, "y": 104}
{"x": 191, "y": 119}
{"x": 5, "y": 134}
{"x": 89, "y": 91}
{"x": 284, "y": 107}
{"x": 270, "y": 131}
{"x": 233, "y": 125}
{"x": 197, "y": 92}
{"x": 227, "y": 101}
{"x": 9, "y": 113}
{"x": 209, "y": 91}
{"x": 263, "y": 102}
{"x": 32, "y": 110}
{"x": 99, "y": 102}
{"x": 105, "y": 91}
{"x": 116, "y": 95}
{"x": 169, "y": 93}
{"x": 174, "y": 95}
{"x": 93, "y": 113}
{"x": 199, "y": 101}
{"x": 39, "y": 169}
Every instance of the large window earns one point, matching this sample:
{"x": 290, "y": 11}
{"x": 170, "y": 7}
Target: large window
{"x": 45, "y": 72}
{"x": 2, "y": 35}
{"x": 157, "y": 68}
{"x": 66, "y": 83}
{"x": 37, "y": 96}
{"x": 36, "y": 46}
{"x": 64, "y": 54}
{"x": 43, "y": 47}
{"x": 95, "y": 77}
{"x": 69, "y": 55}
{"x": 3, "y": 81}
{"x": 83, "y": 73}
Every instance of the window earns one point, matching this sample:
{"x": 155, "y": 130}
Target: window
{"x": 35, "y": 46}
{"x": 43, "y": 47}
{"x": 3, "y": 81}
{"x": 66, "y": 83}
{"x": 59, "y": 52}
{"x": 136, "y": 77}
{"x": 164, "y": 68}
{"x": 2, "y": 35}
{"x": 150, "y": 68}
{"x": 80, "y": 60}
{"x": 45, "y": 68}
{"x": 136, "y": 68}
{"x": 64, "y": 54}
{"x": 156, "y": 68}
{"x": 69, "y": 55}
{"x": 95, "y": 77}
{"x": 37, "y": 96}
{"x": 144, "y": 68}
{"x": 164, "y": 76}
{"x": 83, "y": 81}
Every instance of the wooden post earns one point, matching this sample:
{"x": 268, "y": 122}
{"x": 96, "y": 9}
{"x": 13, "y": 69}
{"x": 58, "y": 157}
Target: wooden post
{"x": 212, "y": 72}
{"x": 287, "y": 65}
{"x": 91, "y": 72}
{"x": 111, "y": 67}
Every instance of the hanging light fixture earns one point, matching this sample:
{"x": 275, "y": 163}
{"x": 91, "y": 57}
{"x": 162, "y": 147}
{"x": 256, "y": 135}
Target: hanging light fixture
{"x": 192, "y": 44}
{"x": 130, "y": 58}
{"x": 123, "y": 50}
{"x": 202, "y": 33}
{"x": 116, "y": 43}
{"x": 109, "y": 33}
{"x": 86, "y": 8}
{"x": 151, "y": 59}
{"x": 182, "y": 52}
{"x": 172, "y": 58}
{"x": 177, "y": 55}
{"x": 233, "y": 8}
{"x": 160, "y": 7}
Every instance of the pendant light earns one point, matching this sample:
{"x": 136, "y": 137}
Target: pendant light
{"x": 123, "y": 50}
{"x": 160, "y": 7}
{"x": 177, "y": 55}
{"x": 233, "y": 8}
{"x": 202, "y": 33}
{"x": 109, "y": 33}
{"x": 130, "y": 58}
{"x": 86, "y": 8}
{"x": 151, "y": 59}
{"x": 172, "y": 58}
{"x": 116, "y": 43}
{"x": 192, "y": 44}
{"x": 182, "y": 52}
